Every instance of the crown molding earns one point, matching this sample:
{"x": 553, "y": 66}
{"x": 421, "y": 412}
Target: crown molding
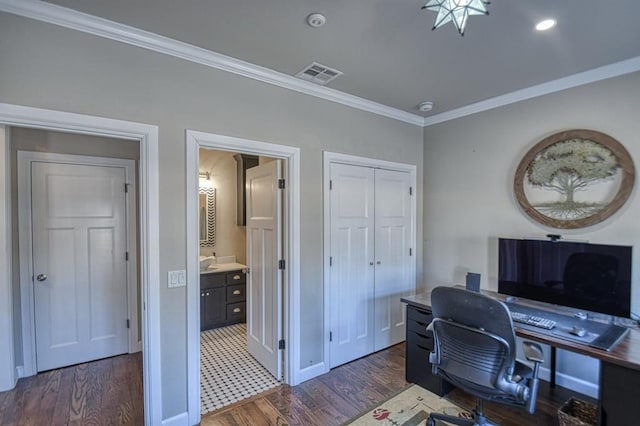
{"x": 69, "y": 18}
{"x": 591, "y": 76}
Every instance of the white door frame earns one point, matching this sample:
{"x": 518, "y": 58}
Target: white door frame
{"x": 334, "y": 157}
{"x": 8, "y": 375}
{"x": 25, "y": 158}
{"x": 291, "y": 242}
{"x": 147, "y": 135}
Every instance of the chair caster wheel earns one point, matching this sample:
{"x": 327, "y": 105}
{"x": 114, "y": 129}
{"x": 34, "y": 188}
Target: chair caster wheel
{"x": 431, "y": 421}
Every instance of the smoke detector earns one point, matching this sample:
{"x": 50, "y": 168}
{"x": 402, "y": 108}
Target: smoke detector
{"x": 316, "y": 20}
{"x": 425, "y": 106}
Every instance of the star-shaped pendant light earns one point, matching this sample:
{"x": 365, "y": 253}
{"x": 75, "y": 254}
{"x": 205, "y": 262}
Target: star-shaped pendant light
{"x": 456, "y": 11}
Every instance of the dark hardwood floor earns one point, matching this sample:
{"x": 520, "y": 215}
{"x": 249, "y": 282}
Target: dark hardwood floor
{"x": 349, "y": 390}
{"x": 109, "y": 392}
{"x": 104, "y": 392}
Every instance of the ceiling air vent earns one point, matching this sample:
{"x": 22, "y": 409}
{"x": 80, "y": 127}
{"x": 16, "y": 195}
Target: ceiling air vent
{"x": 319, "y": 74}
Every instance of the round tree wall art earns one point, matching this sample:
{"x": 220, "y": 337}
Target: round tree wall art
{"x": 574, "y": 179}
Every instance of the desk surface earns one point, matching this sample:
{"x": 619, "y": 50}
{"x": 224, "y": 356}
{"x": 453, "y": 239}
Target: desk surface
{"x": 626, "y": 353}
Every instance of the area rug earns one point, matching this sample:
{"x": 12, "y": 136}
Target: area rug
{"x": 410, "y": 407}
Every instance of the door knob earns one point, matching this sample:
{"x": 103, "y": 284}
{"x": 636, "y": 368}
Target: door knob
{"x": 41, "y": 277}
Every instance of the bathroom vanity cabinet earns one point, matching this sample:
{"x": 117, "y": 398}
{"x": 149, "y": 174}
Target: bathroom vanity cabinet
{"x": 222, "y": 299}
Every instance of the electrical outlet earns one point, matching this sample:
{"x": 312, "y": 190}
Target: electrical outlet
{"x": 177, "y": 278}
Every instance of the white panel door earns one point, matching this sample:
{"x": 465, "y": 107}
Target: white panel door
{"x": 79, "y": 267}
{"x": 264, "y": 281}
{"x": 351, "y": 272}
{"x": 394, "y": 266}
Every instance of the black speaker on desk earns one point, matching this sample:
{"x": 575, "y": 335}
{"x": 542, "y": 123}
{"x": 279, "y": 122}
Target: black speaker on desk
{"x": 473, "y": 282}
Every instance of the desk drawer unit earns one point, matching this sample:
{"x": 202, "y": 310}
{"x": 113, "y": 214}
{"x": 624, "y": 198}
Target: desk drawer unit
{"x": 419, "y": 345}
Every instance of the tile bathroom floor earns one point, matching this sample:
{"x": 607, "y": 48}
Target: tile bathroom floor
{"x": 228, "y": 372}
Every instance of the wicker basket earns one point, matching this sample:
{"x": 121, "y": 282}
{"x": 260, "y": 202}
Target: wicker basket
{"x": 576, "y": 412}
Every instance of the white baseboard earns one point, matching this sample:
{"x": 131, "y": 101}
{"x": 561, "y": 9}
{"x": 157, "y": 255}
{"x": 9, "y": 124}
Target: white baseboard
{"x": 310, "y": 372}
{"x": 181, "y": 419}
{"x": 578, "y": 385}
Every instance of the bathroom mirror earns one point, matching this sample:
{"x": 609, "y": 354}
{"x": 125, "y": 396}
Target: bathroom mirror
{"x": 207, "y": 216}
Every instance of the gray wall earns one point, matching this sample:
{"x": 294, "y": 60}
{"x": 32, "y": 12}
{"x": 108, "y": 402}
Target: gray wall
{"x": 469, "y": 168}
{"x": 52, "y": 67}
{"x": 21, "y": 139}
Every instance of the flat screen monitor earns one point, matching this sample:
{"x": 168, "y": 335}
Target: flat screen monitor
{"x": 593, "y": 277}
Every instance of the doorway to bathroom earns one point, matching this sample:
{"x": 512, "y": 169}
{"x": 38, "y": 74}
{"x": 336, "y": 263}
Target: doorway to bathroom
{"x": 239, "y": 305}
{"x": 239, "y": 221}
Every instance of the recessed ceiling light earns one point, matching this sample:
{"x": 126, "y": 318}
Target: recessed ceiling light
{"x": 546, "y": 24}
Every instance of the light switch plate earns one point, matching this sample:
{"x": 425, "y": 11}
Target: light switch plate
{"x": 177, "y": 278}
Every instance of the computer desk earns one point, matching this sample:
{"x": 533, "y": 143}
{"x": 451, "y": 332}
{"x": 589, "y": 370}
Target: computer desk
{"x": 619, "y": 368}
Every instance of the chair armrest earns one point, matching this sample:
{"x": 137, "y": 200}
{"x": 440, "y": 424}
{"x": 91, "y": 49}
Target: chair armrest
{"x": 533, "y": 351}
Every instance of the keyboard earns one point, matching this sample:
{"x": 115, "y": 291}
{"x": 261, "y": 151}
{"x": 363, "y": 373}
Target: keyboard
{"x": 539, "y": 322}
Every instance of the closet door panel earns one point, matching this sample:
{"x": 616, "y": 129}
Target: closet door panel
{"x": 394, "y": 267}
{"x": 351, "y": 273}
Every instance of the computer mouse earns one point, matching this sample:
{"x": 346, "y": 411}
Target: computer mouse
{"x": 578, "y": 331}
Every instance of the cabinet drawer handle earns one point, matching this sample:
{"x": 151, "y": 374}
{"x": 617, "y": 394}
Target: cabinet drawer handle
{"x": 236, "y": 310}
{"x": 236, "y": 277}
{"x": 236, "y": 292}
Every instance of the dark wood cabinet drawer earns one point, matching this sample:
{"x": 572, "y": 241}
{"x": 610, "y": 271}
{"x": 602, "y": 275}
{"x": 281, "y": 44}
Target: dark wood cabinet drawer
{"x": 417, "y": 318}
{"x": 235, "y": 277}
{"x": 236, "y": 293}
{"x": 211, "y": 280}
{"x": 236, "y": 312}
{"x": 421, "y": 340}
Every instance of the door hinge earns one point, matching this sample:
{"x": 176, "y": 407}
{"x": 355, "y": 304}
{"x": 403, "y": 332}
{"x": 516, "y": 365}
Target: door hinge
{"x": 126, "y": 188}
{"x": 281, "y": 264}
{"x": 126, "y": 255}
{"x": 281, "y": 183}
{"x": 128, "y": 326}
{"x": 410, "y": 252}
{"x": 281, "y": 344}
{"x": 410, "y": 190}
{"x": 331, "y": 336}
{"x": 330, "y": 260}
{"x": 330, "y": 185}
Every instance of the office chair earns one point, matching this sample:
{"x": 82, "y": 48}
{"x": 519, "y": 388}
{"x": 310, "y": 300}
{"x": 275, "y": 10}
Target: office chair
{"x": 474, "y": 349}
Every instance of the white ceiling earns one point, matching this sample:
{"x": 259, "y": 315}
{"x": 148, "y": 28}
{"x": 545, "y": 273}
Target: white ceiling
{"x": 387, "y": 50}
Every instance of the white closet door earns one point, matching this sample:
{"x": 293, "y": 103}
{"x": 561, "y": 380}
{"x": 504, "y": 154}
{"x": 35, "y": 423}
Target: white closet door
{"x": 79, "y": 243}
{"x": 394, "y": 266}
{"x": 351, "y": 273}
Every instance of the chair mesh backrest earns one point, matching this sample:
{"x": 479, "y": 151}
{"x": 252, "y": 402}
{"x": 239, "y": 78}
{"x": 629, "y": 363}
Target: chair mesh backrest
{"x": 474, "y": 337}
{"x": 472, "y": 356}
